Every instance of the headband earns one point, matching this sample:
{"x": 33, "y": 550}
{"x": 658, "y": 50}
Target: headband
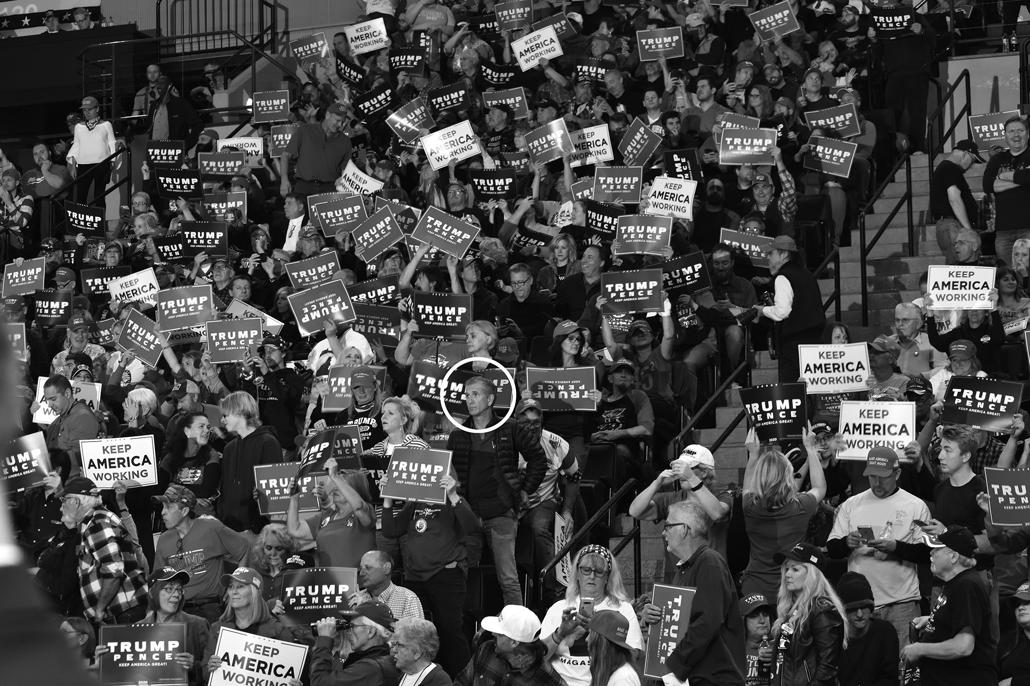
{"x": 594, "y": 549}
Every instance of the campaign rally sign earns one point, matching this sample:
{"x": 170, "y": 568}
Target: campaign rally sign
{"x": 85, "y": 219}
{"x": 513, "y": 15}
{"x": 686, "y": 275}
{"x": 603, "y": 219}
{"x": 590, "y": 69}
{"x": 373, "y": 106}
{"x": 142, "y": 654}
{"x": 220, "y": 165}
{"x": 736, "y": 120}
{"x": 641, "y": 234}
{"x": 638, "y": 144}
{"x": 406, "y": 215}
{"x": 270, "y": 106}
{"x": 493, "y": 183}
{"x": 663, "y": 637}
{"x": 683, "y": 164}
{"x": 218, "y": 205}
{"x": 618, "y": 184}
{"x": 456, "y": 143}
{"x": 981, "y": 402}
{"x": 534, "y": 239}
{"x": 407, "y": 59}
{"x": 776, "y": 411}
{"x": 441, "y": 315}
{"x": 238, "y": 309}
{"x": 564, "y": 389}
{"x": 408, "y": 121}
{"x": 891, "y": 23}
{"x": 830, "y": 156}
{"x": 15, "y": 334}
{"x": 833, "y": 368}
{"x": 657, "y": 43}
{"x": 1008, "y": 496}
{"x": 989, "y": 129}
{"x": 591, "y": 145}
{"x": 169, "y": 249}
{"x": 747, "y": 146}
{"x": 52, "y": 307}
{"x": 843, "y": 119}
{"x": 549, "y": 142}
{"x": 25, "y": 278}
{"x": 381, "y": 291}
{"x": 252, "y": 659}
{"x": 280, "y": 137}
{"x": 273, "y": 483}
{"x": 535, "y": 46}
{"x": 367, "y": 36}
{"x": 515, "y": 98}
{"x": 426, "y": 386}
{"x": 415, "y": 474}
{"x": 313, "y": 306}
{"x": 775, "y": 21}
{"x": 638, "y": 290}
{"x": 308, "y": 48}
{"x": 86, "y": 391}
{"x": 141, "y": 338}
{"x": 671, "y": 197}
{"x": 376, "y": 235}
{"x": 179, "y": 183}
{"x": 26, "y": 463}
{"x": 453, "y": 97}
{"x": 377, "y": 323}
{"x": 251, "y": 145}
{"x": 960, "y": 287}
{"x": 563, "y": 530}
{"x": 166, "y": 154}
{"x": 497, "y": 75}
{"x": 314, "y": 271}
{"x": 583, "y": 189}
{"x": 865, "y": 424}
{"x": 313, "y": 593}
{"x": 342, "y": 211}
{"x": 445, "y": 231}
{"x": 181, "y": 308}
{"x": 128, "y": 458}
{"x": 357, "y": 182}
{"x": 140, "y": 287}
{"x": 205, "y": 237}
{"x": 560, "y": 22}
{"x": 233, "y": 340}
{"x": 754, "y": 246}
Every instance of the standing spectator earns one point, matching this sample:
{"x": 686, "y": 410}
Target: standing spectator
{"x": 47, "y": 177}
{"x": 254, "y": 444}
{"x": 526, "y": 307}
{"x": 871, "y": 658}
{"x": 75, "y": 421}
{"x": 16, "y": 210}
{"x": 167, "y": 606}
{"x": 413, "y": 647}
{"x": 94, "y": 142}
{"x": 173, "y": 117}
{"x": 357, "y": 655}
{"x": 612, "y": 661}
{"x": 951, "y": 201}
{"x": 1006, "y": 178}
{"x": 321, "y": 150}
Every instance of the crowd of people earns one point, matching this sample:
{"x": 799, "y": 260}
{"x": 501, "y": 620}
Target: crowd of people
{"x": 813, "y": 570}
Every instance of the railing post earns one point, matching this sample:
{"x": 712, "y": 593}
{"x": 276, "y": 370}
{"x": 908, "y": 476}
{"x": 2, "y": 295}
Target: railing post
{"x": 637, "y": 584}
{"x": 862, "y": 256}
{"x": 157, "y": 10}
{"x": 836, "y": 285}
{"x": 908, "y": 200}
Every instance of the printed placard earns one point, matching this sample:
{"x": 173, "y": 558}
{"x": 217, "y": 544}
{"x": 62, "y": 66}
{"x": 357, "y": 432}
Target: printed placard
{"x": 591, "y": 69}
{"x": 834, "y": 368}
{"x": 663, "y": 637}
{"x": 140, "y": 287}
{"x": 314, "y": 271}
{"x": 775, "y": 21}
{"x": 377, "y": 323}
{"x": 233, "y": 340}
{"x": 142, "y": 654}
{"x": 638, "y": 290}
{"x": 671, "y": 197}
{"x": 373, "y": 106}
{"x": 270, "y": 106}
{"x": 641, "y": 234}
{"x": 515, "y": 98}
{"x": 602, "y": 219}
{"x": 754, "y": 246}
{"x": 989, "y": 129}
{"x": 381, "y": 291}
{"x": 656, "y": 43}
{"x": 830, "y": 156}
{"x": 376, "y": 235}
{"x": 527, "y": 238}
{"x": 683, "y": 164}
{"x": 309, "y": 48}
{"x": 350, "y": 72}
{"x": 564, "y": 389}
{"x": 960, "y": 287}
{"x": 776, "y": 411}
{"x": 342, "y": 212}
{"x": 314, "y": 305}
{"x": 686, "y": 275}
{"x": 843, "y": 119}
{"x": 211, "y": 238}
{"x": 357, "y": 182}
{"x": 456, "y": 143}
{"x": 591, "y": 145}
{"x": 484, "y": 25}
{"x": 409, "y": 120}
{"x": 166, "y": 154}
{"x": 179, "y": 183}
{"x": 453, "y": 97}
{"x": 736, "y": 120}
{"x": 582, "y": 190}
{"x": 426, "y": 386}
{"x": 85, "y": 219}
{"x": 253, "y": 146}
{"x": 1008, "y": 496}
{"x": 441, "y": 315}
{"x": 238, "y": 309}
{"x": 747, "y": 146}
{"x": 273, "y": 483}
{"x": 15, "y": 333}
{"x": 52, "y": 307}
{"x": 891, "y": 23}
{"x": 638, "y": 144}
{"x": 549, "y": 142}
{"x": 618, "y": 184}
{"x": 220, "y": 165}
{"x": 367, "y": 36}
{"x": 981, "y": 402}
{"x": 250, "y": 659}
{"x": 493, "y": 183}
{"x": 86, "y": 391}
{"x": 407, "y": 59}
{"x": 535, "y": 46}
{"x": 184, "y": 307}
{"x": 415, "y": 474}
{"x": 563, "y": 530}
{"x": 25, "y": 278}
{"x": 280, "y": 137}
{"x": 561, "y": 25}
{"x": 169, "y": 248}
{"x": 445, "y": 231}
{"x": 513, "y": 15}
{"x": 865, "y": 424}
{"x": 26, "y": 463}
{"x": 219, "y": 204}
{"x": 127, "y": 458}
{"x": 313, "y": 593}
{"x": 141, "y": 337}
{"x": 337, "y": 399}
{"x": 497, "y": 75}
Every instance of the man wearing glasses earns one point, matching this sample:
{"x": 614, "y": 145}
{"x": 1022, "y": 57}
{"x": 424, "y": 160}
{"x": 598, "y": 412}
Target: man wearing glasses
{"x": 916, "y": 356}
{"x": 360, "y": 654}
{"x": 529, "y": 309}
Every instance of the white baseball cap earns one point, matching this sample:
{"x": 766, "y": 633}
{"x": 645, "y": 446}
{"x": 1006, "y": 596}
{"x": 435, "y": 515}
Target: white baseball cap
{"x": 694, "y": 455}
{"x": 516, "y": 622}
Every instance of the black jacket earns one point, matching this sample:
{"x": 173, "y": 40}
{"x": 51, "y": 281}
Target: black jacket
{"x": 813, "y": 654}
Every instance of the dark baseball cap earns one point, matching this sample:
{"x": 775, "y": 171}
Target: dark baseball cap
{"x": 970, "y": 147}
{"x": 882, "y": 461}
{"x": 362, "y": 377}
{"x": 80, "y": 485}
{"x": 802, "y": 552}
{"x": 170, "y": 574}
{"x": 373, "y": 610}
{"x": 958, "y": 538}
{"x": 177, "y": 494}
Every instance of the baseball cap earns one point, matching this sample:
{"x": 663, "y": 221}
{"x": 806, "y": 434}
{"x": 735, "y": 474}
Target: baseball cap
{"x": 753, "y": 602}
{"x": 849, "y": 8}
{"x": 696, "y": 455}
{"x": 64, "y": 275}
{"x": 694, "y": 20}
{"x": 812, "y": 70}
{"x": 970, "y": 147}
{"x": 337, "y": 109}
{"x": 184, "y": 388}
{"x": 373, "y": 610}
{"x": 362, "y": 377}
{"x": 210, "y": 133}
{"x": 564, "y": 328}
{"x": 612, "y": 625}
{"x": 802, "y": 552}
{"x": 761, "y": 180}
{"x": 917, "y": 387}
{"x": 88, "y": 102}
{"x": 783, "y": 242}
{"x": 820, "y": 428}
{"x": 516, "y": 622}
{"x": 771, "y": 65}
{"x": 882, "y": 461}
{"x": 1023, "y": 593}
{"x": 243, "y": 575}
{"x": 854, "y": 591}
{"x": 80, "y": 485}
{"x": 176, "y": 494}
{"x": 547, "y": 102}
{"x": 503, "y": 107}
{"x": 962, "y": 349}
{"x": 622, "y": 363}
{"x": 746, "y": 64}
{"x": 169, "y": 574}
{"x": 79, "y": 321}
{"x": 957, "y": 537}
{"x": 527, "y": 404}
{"x": 273, "y": 341}
{"x": 885, "y": 344}
{"x": 638, "y": 325}
{"x": 507, "y": 352}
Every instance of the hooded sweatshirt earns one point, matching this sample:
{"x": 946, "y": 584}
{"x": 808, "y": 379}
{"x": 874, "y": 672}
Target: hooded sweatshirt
{"x": 236, "y": 506}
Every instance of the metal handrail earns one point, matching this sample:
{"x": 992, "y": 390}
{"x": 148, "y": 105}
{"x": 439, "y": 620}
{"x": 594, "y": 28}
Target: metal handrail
{"x": 938, "y": 116}
{"x": 62, "y": 196}
{"x": 273, "y": 8}
{"x": 632, "y": 536}
{"x": 867, "y": 246}
{"x": 715, "y": 397}
{"x": 835, "y": 297}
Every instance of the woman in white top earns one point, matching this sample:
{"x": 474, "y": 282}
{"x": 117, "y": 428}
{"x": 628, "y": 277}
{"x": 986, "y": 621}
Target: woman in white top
{"x": 93, "y": 142}
{"x": 612, "y": 660}
{"x": 596, "y": 580}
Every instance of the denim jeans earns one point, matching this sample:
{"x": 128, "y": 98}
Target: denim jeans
{"x": 900, "y": 615}
{"x": 443, "y": 597}
{"x": 499, "y": 534}
{"x": 540, "y": 520}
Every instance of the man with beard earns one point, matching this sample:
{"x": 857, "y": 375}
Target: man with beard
{"x": 321, "y": 151}
{"x": 277, "y": 389}
{"x": 778, "y": 87}
{"x": 46, "y": 178}
{"x": 712, "y": 216}
{"x": 728, "y": 291}
{"x": 509, "y": 653}
{"x": 360, "y": 655}
{"x": 850, "y": 35}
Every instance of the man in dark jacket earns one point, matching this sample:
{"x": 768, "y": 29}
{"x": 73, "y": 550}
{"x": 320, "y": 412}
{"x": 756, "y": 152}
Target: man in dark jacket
{"x": 485, "y": 455}
{"x": 368, "y": 661}
{"x": 278, "y": 390}
{"x": 526, "y": 307}
{"x": 871, "y": 658}
{"x": 173, "y": 118}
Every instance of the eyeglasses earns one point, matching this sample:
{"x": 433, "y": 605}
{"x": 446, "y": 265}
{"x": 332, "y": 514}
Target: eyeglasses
{"x": 590, "y": 571}
{"x": 520, "y": 283}
{"x": 172, "y": 589}
{"x": 672, "y": 525}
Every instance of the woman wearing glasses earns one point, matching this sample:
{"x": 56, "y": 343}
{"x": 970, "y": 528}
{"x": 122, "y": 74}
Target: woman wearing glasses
{"x": 594, "y": 585}
{"x": 166, "y": 607}
{"x": 272, "y": 554}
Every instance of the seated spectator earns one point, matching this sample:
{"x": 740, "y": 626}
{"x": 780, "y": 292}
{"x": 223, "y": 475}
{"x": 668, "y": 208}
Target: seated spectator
{"x": 274, "y": 552}
{"x": 167, "y": 598}
{"x": 509, "y": 651}
{"x": 374, "y": 582}
{"x": 413, "y": 647}
{"x": 360, "y": 653}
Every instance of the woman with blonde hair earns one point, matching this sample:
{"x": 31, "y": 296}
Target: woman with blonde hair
{"x": 252, "y": 445}
{"x": 1020, "y": 261}
{"x": 776, "y": 515}
{"x": 400, "y": 420}
{"x": 811, "y": 627}
{"x": 561, "y": 262}
{"x": 270, "y": 556}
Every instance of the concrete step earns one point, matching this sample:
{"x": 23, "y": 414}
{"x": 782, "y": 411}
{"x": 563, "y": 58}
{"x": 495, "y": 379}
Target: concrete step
{"x": 885, "y": 205}
{"x": 877, "y": 284}
{"x": 921, "y": 172}
{"x": 895, "y": 265}
{"x": 897, "y": 189}
{"x": 736, "y": 437}
{"x": 879, "y": 319}
{"x": 875, "y": 220}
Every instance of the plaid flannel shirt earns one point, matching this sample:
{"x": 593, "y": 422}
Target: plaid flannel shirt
{"x": 106, "y": 553}
{"x": 17, "y": 218}
{"x": 487, "y": 668}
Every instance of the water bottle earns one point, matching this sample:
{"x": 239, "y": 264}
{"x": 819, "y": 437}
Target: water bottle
{"x": 910, "y": 675}
{"x": 888, "y": 531}
{"x": 786, "y": 631}
{"x": 763, "y": 668}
